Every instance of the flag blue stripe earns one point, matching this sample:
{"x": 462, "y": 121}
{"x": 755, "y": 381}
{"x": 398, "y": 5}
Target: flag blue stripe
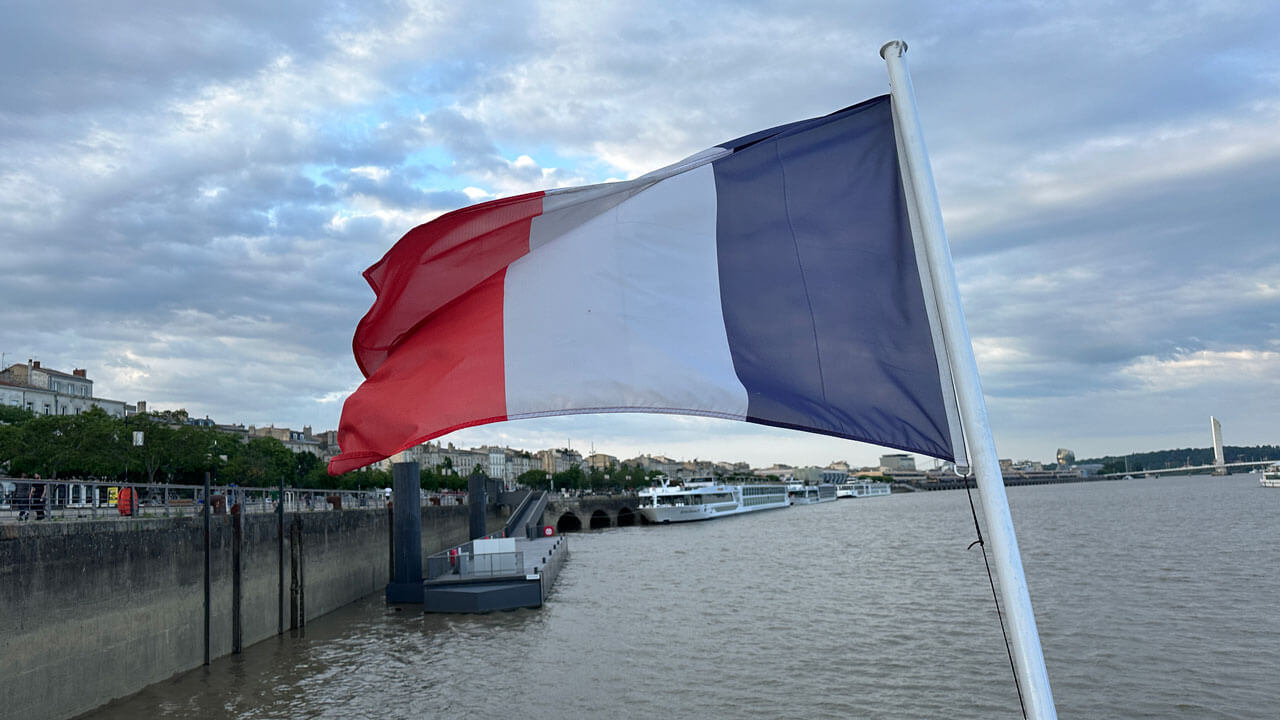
{"x": 821, "y": 295}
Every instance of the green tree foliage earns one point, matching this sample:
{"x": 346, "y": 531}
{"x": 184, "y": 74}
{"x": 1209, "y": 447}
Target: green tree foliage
{"x": 631, "y": 477}
{"x": 46, "y": 446}
{"x": 261, "y": 463}
{"x": 94, "y": 435}
{"x": 174, "y": 454}
{"x": 572, "y": 479}
{"x": 1180, "y": 457}
{"x": 157, "y": 449}
{"x": 441, "y": 478}
{"x": 14, "y": 415}
{"x": 94, "y": 444}
{"x": 533, "y": 479}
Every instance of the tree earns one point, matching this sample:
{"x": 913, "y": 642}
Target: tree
{"x": 9, "y": 443}
{"x": 629, "y": 476}
{"x": 305, "y": 463}
{"x": 364, "y": 478}
{"x": 261, "y": 463}
{"x": 157, "y": 449}
{"x": 93, "y": 435}
{"x": 196, "y": 450}
{"x": 45, "y": 445}
{"x": 571, "y": 478}
{"x": 532, "y": 478}
{"x": 14, "y": 415}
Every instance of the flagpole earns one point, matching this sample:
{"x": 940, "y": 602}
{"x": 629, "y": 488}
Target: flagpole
{"x": 1028, "y": 657}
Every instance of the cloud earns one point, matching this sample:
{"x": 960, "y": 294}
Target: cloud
{"x": 1188, "y": 369}
{"x": 191, "y": 190}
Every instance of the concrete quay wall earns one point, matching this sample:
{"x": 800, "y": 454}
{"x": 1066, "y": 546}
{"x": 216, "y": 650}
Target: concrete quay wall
{"x": 93, "y": 611}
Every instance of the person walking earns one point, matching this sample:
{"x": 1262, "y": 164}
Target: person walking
{"x": 37, "y": 498}
{"x": 22, "y": 498}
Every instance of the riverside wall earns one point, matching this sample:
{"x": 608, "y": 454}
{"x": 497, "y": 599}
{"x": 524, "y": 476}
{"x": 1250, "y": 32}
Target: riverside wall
{"x": 93, "y": 611}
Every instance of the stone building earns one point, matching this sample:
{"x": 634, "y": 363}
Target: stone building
{"x": 45, "y": 391}
{"x": 299, "y": 441}
{"x": 897, "y": 461}
{"x": 558, "y": 460}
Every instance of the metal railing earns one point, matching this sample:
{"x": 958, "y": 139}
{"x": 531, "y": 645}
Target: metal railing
{"x": 463, "y": 562}
{"x": 76, "y": 499}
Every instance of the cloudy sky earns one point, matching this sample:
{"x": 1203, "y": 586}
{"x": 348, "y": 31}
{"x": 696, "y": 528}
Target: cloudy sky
{"x": 190, "y": 191}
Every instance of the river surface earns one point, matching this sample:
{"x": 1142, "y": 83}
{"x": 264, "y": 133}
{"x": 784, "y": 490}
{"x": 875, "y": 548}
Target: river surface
{"x": 1156, "y": 598}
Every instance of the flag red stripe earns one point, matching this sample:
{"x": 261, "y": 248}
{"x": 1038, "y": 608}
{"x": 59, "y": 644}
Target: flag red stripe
{"x": 452, "y": 364}
{"x": 434, "y": 264}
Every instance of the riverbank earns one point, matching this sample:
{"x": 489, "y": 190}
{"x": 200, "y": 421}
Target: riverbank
{"x": 93, "y": 611}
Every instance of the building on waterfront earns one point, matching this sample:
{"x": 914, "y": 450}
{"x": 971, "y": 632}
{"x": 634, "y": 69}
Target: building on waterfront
{"x": 1021, "y": 466}
{"x": 558, "y": 460}
{"x": 656, "y": 463}
{"x": 601, "y": 461}
{"x": 779, "y": 472}
{"x": 1065, "y": 458}
{"x": 45, "y": 391}
{"x": 447, "y": 458}
{"x": 911, "y": 475}
{"x": 814, "y": 475}
{"x": 696, "y": 468}
{"x": 299, "y": 441}
{"x": 897, "y": 461}
{"x": 506, "y": 464}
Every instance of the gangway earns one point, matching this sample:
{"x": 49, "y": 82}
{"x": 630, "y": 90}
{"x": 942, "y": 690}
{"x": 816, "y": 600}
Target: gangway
{"x": 526, "y": 519}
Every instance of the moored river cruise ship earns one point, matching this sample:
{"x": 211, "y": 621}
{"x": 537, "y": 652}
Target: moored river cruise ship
{"x": 802, "y": 494}
{"x": 862, "y": 489}
{"x": 705, "y": 500}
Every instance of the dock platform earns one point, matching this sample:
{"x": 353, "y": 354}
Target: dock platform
{"x": 493, "y": 574}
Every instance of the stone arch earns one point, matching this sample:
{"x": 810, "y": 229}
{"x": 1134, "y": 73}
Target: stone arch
{"x": 600, "y": 519}
{"x": 626, "y": 517}
{"x": 568, "y": 522}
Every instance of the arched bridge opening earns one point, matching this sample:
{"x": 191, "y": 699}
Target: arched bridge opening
{"x": 568, "y": 522}
{"x": 600, "y": 519}
{"x": 626, "y": 517}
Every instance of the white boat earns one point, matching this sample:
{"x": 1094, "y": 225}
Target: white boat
{"x": 704, "y": 500}
{"x": 1271, "y": 476}
{"x": 862, "y": 489}
{"x": 812, "y": 494}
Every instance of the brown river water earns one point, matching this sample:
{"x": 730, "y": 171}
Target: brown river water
{"x": 1156, "y": 598}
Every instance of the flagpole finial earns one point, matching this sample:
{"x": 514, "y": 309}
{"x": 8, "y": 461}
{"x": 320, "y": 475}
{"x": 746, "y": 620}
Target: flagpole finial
{"x": 899, "y": 47}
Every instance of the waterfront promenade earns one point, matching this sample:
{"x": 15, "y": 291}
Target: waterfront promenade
{"x": 87, "y": 500}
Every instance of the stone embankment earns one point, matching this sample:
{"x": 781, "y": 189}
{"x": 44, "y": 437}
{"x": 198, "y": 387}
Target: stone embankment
{"x": 93, "y": 611}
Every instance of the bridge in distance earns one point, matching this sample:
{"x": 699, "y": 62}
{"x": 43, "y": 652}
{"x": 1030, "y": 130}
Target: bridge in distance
{"x": 1194, "y": 469}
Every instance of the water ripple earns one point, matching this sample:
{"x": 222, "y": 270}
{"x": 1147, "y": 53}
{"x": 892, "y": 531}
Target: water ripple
{"x": 1155, "y": 599}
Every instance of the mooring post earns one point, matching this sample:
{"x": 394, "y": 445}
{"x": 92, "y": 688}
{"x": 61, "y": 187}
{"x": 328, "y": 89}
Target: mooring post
{"x": 237, "y": 597}
{"x": 477, "y": 500}
{"x": 280, "y": 555}
{"x": 208, "y": 527}
{"x": 406, "y": 504}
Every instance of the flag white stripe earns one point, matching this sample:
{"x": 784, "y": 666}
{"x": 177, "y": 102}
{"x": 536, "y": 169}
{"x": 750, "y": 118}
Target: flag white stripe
{"x": 620, "y": 307}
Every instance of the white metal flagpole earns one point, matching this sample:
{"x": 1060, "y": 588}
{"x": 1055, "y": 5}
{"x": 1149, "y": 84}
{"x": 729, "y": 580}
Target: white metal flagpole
{"x": 1028, "y": 657}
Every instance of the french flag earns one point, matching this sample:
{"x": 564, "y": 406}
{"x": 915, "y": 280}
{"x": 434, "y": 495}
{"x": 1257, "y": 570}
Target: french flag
{"x": 771, "y": 279}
